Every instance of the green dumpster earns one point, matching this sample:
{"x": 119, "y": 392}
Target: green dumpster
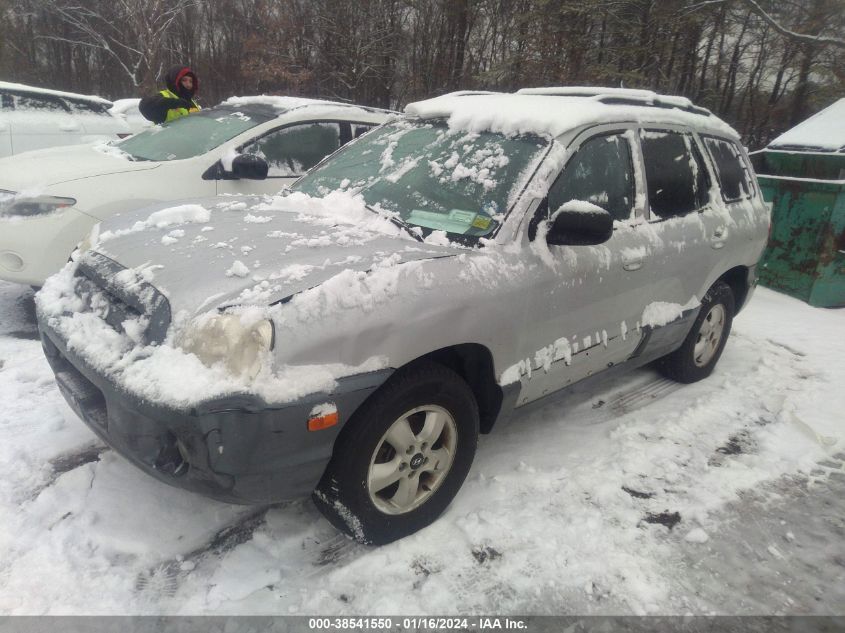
{"x": 805, "y": 256}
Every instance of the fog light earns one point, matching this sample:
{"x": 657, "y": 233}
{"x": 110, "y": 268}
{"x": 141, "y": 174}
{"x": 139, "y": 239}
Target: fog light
{"x": 11, "y": 261}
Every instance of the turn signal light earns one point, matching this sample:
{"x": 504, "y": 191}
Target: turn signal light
{"x": 323, "y": 421}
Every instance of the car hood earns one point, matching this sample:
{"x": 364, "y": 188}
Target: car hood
{"x": 55, "y": 165}
{"x": 212, "y": 253}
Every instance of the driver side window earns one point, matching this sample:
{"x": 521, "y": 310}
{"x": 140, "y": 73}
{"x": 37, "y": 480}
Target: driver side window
{"x": 291, "y": 151}
{"x": 601, "y": 173}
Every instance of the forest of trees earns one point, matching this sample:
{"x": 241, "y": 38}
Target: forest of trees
{"x": 763, "y": 65}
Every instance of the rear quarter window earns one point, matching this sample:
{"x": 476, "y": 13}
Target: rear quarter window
{"x": 733, "y": 175}
{"x": 87, "y": 107}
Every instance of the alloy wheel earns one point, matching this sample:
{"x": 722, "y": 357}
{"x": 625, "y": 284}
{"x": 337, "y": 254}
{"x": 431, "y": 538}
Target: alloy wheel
{"x": 412, "y": 459}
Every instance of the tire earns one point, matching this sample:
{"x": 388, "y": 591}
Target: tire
{"x": 703, "y": 346}
{"x": 402, "y": 457}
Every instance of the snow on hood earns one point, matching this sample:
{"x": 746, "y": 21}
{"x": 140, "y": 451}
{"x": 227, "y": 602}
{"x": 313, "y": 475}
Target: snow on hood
{"x": 254, "y": 250}
{"x": 244, "y": 251}
{"x": 45, "y": 167}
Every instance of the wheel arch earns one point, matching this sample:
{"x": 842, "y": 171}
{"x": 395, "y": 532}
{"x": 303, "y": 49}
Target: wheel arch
{"x": 474, "y": 363}
{"x": 737, "y": 280}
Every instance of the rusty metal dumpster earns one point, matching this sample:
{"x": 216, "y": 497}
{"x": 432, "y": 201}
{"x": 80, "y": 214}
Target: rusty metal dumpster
{"x": 805, "y": 256}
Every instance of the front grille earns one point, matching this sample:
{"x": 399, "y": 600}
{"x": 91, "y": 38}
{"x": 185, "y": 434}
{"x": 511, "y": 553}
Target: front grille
{"x": 117, "y": 294}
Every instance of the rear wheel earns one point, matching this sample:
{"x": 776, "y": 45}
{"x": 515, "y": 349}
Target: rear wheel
{"x": 703, "y": 346}
{"x": 403, "y": 456}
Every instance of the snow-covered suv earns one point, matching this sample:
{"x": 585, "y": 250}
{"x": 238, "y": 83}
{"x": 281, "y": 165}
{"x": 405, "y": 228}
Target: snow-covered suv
{"x": 354, "y": 336}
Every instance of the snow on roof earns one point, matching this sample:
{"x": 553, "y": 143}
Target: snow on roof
{"x": 555, "y": 113}
{"x": 121, "y": 106}
{"x": 5, "y": 85}
{"x": 646, "y": 96}
{"x": 284, "y": 104}
{"x": 824, "y": 131}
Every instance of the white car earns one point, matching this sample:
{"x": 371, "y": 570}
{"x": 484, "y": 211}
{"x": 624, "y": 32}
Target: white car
{"x": 127, "y": 109}
{"x": 33, "y": 118}
{"x": 50, "y": 199}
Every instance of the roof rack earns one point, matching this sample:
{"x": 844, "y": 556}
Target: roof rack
{"x": 621, "y": 96}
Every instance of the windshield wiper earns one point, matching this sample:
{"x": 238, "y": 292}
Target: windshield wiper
{"x": 395, "y": 220}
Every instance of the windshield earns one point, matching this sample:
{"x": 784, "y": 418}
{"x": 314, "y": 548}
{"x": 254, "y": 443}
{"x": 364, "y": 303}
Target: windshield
{"x": 189, "y": 135}
{"x": 459, "y": 182}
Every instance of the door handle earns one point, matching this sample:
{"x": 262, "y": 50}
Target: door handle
{"x": 632, "y": 264}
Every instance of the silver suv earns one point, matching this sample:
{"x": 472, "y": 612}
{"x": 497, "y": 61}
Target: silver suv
{"x": 353, "y": 336}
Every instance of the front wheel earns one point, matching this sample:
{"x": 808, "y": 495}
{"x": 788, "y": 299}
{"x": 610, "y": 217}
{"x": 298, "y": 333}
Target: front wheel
{"x": 703, "y": 346}
{"x": 403, "y": 456}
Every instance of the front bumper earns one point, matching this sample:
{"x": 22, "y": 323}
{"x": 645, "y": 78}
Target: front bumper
{"x": 236, "y": 449}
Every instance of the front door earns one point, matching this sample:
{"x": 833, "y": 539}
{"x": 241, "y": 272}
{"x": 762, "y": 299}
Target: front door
{"x": 587, "y": 298}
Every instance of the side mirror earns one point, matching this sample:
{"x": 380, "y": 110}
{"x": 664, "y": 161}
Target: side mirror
{"x": 249, "y": 166}
{"x": 579, "y": 223}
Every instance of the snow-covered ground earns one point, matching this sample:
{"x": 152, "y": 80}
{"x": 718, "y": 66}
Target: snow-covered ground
{"x": 634, "y": 496}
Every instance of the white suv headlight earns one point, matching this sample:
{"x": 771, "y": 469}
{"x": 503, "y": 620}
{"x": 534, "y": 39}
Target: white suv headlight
{"x": 20, "y": 205}
{"x": 224, "y": 338}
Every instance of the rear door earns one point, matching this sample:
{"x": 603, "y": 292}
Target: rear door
{"x": 736, "y": 230}
{"x": 682, "y": 224}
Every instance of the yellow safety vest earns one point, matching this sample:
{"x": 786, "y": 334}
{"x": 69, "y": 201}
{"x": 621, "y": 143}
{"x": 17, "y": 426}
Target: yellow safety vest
{"x": 175, "y": 113}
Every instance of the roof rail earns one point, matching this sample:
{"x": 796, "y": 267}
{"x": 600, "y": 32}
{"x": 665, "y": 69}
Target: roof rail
{"x": 621, "y": 96}
{"x": 586, "y": 91}
{"x": 470, "y": 93}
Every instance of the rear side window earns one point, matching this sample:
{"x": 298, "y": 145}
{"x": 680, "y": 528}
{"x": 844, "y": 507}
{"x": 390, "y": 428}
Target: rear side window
{"x": 601, "y": 172}
{"x": 77, "y": 106}
{"x": 677, "y": 180}
{"x": 6, "y": 101}
{"x": 733, "y": 175}
{"x": 359, "y": 128}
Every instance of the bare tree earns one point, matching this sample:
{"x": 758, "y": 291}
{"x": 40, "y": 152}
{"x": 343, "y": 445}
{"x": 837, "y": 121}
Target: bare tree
{"x": 133, "y": 33}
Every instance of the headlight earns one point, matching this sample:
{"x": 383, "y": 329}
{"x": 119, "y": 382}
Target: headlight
{"x": 225, "y": 339}
{"x": 23, "y": 205}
